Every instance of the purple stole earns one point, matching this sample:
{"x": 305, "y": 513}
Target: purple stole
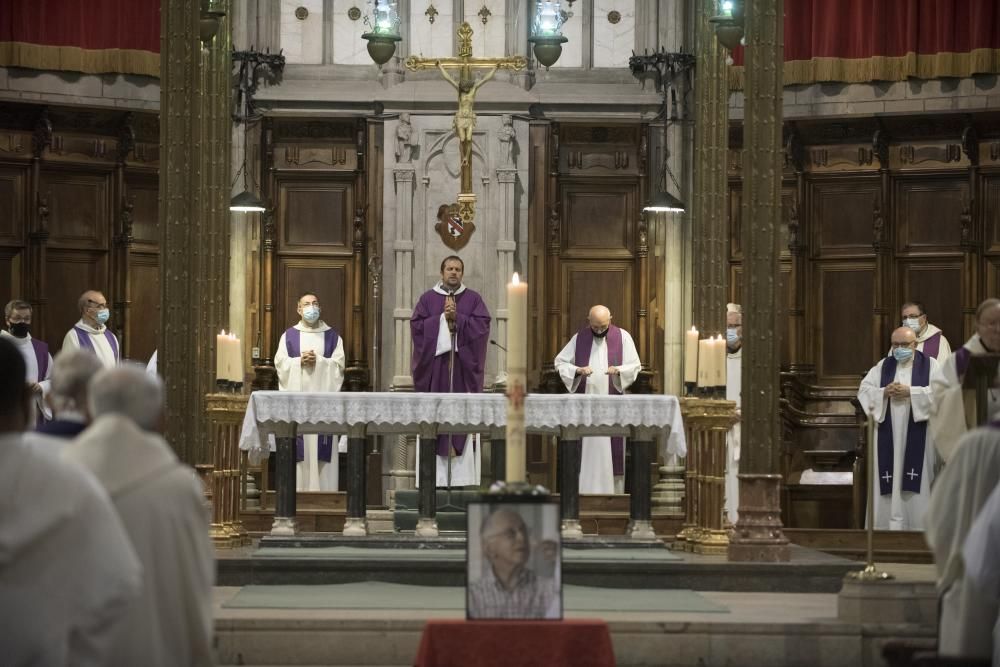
{"x": 933, "y": 345}
{"x": 61, "y": 428}
{"x": 293, "y": 346}
{"x": 41, "y": 357}
{"x": 962, "y": 355}
{"x": 83, "y": 337}
{"x": 916, "y": 433}
{"x": 584, "y": 344}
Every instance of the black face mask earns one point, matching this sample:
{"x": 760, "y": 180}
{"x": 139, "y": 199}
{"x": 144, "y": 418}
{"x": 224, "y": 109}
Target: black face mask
{"x": 19, "y": 329}
{"x": 600, "y": 335}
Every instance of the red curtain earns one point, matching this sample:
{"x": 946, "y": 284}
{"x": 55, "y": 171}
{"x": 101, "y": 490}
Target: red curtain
{"x": 856, "y": 41}
{"x": 92, "y": 36}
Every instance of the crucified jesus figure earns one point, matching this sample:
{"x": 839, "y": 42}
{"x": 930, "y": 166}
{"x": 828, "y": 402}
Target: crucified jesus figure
{"x": 465, "y": 117}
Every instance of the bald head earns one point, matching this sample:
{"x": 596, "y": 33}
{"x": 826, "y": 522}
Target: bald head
{"x": 904, "y": 336}
{"x": 599, "y": 320}
{"x": 90, "y": 304}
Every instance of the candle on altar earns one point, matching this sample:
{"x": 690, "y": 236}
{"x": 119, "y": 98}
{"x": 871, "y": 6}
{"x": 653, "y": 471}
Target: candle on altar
{"x": 221, "y": 346}
{"x": 517, "y": 372}
{"x": 705, "y": 372}
{"x": 691, "y": 355}
{"x": 719, "y": 365}
{"x": 235, "y": 358}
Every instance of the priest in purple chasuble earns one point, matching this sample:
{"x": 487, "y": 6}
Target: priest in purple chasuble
{"x": 600, "y": 359}
{"x": 91, "y": 332}
{"x": 450, "y": 327}
{"x": 930, "y": 339}
{"x": 897, "y": 393}
{"x": 37, "y": 359}
{"x": 310, "y": 357}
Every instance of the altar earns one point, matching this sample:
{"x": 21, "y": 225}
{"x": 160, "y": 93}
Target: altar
{"x": 274, "y": 419}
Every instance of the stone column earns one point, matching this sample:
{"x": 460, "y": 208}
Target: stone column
{"x": 194, "y": 216}
{"x": 758, "y": 535}
{"x": 506, "y": 246}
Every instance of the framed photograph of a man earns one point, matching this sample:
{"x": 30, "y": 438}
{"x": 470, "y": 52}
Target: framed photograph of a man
{"x": 513, "y": 560}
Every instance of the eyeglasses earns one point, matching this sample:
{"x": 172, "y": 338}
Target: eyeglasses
{"x": 95, "y": 304}
{"x": 895, "y": 345}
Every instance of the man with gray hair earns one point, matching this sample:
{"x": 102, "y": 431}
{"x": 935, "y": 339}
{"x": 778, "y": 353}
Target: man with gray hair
{"x": 91, "y": 332}
{"x": 160, "y": 502}
{"x": 71, "y": 374}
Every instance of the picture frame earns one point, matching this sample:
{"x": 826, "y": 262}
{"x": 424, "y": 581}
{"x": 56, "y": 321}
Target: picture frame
{"x": 513, "y": 562}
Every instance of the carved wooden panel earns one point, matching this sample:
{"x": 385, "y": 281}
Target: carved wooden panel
{"x": 13, "y": 195}
{"x": 144, "y": 310}
{"x": 938, "y": 285}
{"x": 784, "y": 303}
{"x": 840, "y": 158}
{"x": 735, "y": 213}
{"x": 928, "y": 214}
{"x": 142, "y": 191}
{"x": 329, "y": 279}
{"x": 844, "y": 300}
{"x": 10, "y": 274}
{"x": 589, "y": 283}
{"x": 78, "y": 203}
{"x": 598, "y": 219}
{"x": 842, "y": 214}
{"x": 990, "y": 194}
{"x": 69, "y": 273}
{"x": 315, "y": 215}
{"x": 338, "y": 157}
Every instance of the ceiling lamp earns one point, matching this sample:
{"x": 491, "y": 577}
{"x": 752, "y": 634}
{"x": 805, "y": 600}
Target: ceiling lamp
{"x": 546, "y": 32}
{"x": 384, "y": 30}
{"x": 729, "y": 23}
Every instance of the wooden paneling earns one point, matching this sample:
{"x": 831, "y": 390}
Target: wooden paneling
{"x": 329, "y": 279}
{"x": 735, "y": 213}
{"x": 10, "y": 274}
{"x": 142, "y": 191}
{"x": 13, "y": 194}
{"x": 588, "y": 283}
{"x": 928, "y": 214}
{"x": 144, "y": 289}
{"x": 598, "y": 219}
{"x": 991, "y": 203}
{"x": 69, "y": 274}
{"x": 842, "y": 214}
{"x": 935, "y": 284}
{"x": 315, "y": 215}
{"x": 784, "y": 303}
{"x": 79, "y": 215}
{"x": 843, "y": 334}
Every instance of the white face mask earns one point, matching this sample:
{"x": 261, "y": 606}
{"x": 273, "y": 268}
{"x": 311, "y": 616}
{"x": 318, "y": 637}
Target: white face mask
{"x": 310, "y": 313}
{"x": 912, "y": 322}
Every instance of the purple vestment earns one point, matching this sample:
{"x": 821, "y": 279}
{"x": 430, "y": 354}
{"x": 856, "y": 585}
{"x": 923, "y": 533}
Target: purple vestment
{"x": 916, "y": 432}
{"x": 430, "y": 371}
{"x": 932, "y": 346}
{"x": 41, "y": 357}
{"x": 584, "y": 345}
{"x": 293, "y": 346}
{"x": 83, "y": 337}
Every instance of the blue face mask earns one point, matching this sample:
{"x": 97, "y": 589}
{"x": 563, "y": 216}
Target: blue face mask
{"x": 902, "y": 353}
{"x": 310, "y": 313}
{"x": 102, "y": 316}
{"x": 731, "y": 336}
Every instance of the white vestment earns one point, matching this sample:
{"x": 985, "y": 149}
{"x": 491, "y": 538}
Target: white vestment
{"x": 944, "y": 347}
{"x": 902, "y": 510}
{"x": 327, "y": 374}
{"x": 596, "y": 472}
{"x": 68, "y": 572}
{"x": 151, "y": 365}
{"x": 954, "y": 407}
{"x": 981, "y": 554}
{"x": 100, "y": 342}
{"x": 27, "y": 351}
{"x": 162, "y": 506}
{"x": 734, "y": 379}
{"x": 968, "y": 612}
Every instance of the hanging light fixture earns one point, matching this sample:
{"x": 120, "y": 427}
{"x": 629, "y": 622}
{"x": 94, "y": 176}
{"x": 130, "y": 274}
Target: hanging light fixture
{"x": 729, "y": 23}
{"x": 383, "y": 23}
{"x": 546, "y": 32}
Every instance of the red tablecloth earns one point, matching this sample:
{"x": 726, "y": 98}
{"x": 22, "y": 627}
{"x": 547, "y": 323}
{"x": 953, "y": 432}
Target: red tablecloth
{"x": 580, "y": 643}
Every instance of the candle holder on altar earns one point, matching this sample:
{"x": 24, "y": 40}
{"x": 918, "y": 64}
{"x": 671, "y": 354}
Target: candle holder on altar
{"x": 691, "y": 389}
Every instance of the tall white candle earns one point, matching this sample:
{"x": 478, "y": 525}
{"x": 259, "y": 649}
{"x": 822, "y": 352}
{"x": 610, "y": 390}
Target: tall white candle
{"x": 705, "y": 362}
{"x": 517, "y": 377}
{"x": 720, "y": 362}
{"x": 220, "y": 356}
{"x": 691, "y": 355}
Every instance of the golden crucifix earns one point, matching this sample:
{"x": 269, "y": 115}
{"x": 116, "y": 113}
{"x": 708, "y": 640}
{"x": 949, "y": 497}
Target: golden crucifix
{"x": 467, "y": 85}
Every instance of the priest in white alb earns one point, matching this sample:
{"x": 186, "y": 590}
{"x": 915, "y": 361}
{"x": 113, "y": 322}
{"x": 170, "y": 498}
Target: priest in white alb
{"x": 955, "y": 406}
{"x": 897, "y": 394}
{"x": 310, "y": 357}
{"x": 930, "y": 339}
{"x": 91, "y": 332}
{"x": 734, "y": 380}
{"x": 600, "y": 359}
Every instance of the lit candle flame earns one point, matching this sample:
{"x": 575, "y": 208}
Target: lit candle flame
{"x": 515, "y": 280}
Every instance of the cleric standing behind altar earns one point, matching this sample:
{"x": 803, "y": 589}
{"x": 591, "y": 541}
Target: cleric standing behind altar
{"x": 897, "y": 394}
{"x": 450, "y": 326}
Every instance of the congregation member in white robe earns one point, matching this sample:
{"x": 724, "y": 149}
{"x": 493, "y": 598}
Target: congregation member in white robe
{"x": 600, "y": 359}
{"x": 967, "y": 611}
{"x": 981, "y": 554}
{"x": 68, "y": 572}
{"x": 91, "y": 332}
{"x": 310, "y": 357}
{"x": 955, "y": 407}
{"x": 37, "y": 359}
{"x": 71, "y": 376}
{"x": 734, "y": 380}
{"x": 161, "y": 504}
{"x": 897, "y": 394}
{"x": 930, "y": 339}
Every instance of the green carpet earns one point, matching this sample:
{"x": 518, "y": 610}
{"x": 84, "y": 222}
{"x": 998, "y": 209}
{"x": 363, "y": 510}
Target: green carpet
{"x": 378, "y": 595}
{"x": 362, "y": 553}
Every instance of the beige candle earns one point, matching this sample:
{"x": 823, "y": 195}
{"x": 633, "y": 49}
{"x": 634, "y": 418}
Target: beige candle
{"x": 691, "y": 355}
{"x": 220, "y": 356}
{"x": 719, "y": 365}
{"x": 517, "y": 377}
{"x": 705, "y": 362}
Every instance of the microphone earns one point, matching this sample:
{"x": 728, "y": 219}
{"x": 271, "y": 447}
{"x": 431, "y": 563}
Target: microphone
{"x": 493, "y": 342}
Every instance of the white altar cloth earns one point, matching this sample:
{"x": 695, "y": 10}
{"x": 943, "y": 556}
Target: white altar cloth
{"x": 636, "y": 416}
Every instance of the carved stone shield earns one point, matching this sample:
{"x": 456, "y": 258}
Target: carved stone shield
{"x": 454, "y": 232}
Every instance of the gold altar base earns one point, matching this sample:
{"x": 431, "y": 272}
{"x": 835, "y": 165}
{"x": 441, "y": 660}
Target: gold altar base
{"x": 758, "y": 536}
{"x": 225, "y": 475}
{"x": 711, "y": 543}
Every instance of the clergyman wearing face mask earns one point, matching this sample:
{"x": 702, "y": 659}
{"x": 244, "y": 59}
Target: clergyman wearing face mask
{"x": 91, "y": 332}
{"x": 37, "y": 359}
{"x": 930, "y": 339}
